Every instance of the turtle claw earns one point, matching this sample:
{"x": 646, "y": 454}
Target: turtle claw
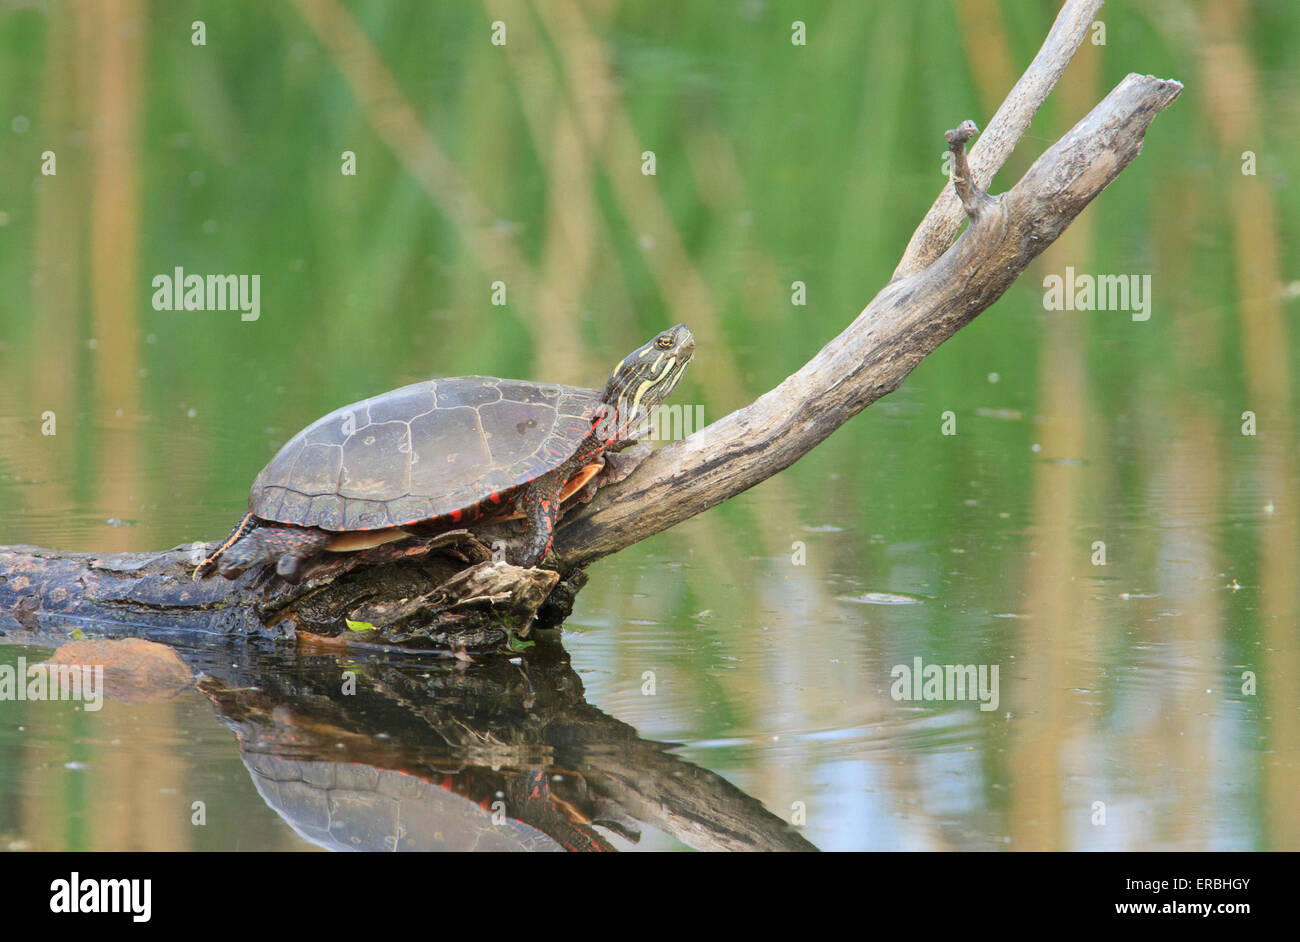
{"x": 204, "y": 569}
{"x": 290, "y": 568}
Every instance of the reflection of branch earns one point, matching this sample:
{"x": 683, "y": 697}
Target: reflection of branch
{"x": 907, "y": 320}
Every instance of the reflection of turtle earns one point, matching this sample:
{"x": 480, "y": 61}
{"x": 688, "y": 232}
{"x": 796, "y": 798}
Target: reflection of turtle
{"x": 419, "y": 755}
{"x": 444, "y": 453}
{"x": 349, "y": 806}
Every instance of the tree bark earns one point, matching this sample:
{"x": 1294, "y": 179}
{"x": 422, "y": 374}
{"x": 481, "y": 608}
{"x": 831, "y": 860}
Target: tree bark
{"x": 938, "y": 287}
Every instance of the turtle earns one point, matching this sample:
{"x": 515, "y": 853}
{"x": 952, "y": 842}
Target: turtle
{"x": 442, "y": 454}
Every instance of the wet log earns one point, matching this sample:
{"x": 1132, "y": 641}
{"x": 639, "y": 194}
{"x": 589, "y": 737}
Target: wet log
{"x": 442, "y": 594}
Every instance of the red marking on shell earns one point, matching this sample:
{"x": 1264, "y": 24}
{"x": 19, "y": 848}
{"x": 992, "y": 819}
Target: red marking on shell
{"x": 455, "y": 515}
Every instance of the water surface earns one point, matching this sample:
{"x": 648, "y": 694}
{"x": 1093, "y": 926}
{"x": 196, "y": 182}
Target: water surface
{"x": 746, "y": 654}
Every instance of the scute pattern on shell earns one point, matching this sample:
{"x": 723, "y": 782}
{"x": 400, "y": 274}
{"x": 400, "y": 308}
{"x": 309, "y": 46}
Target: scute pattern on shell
{"x": 422, "y": 451}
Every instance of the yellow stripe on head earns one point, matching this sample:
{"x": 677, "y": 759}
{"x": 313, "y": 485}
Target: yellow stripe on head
{"x": 647, "y": 384}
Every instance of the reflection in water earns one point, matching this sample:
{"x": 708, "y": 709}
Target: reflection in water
{"x": 1121, "y": 683}
{"x": 501, "y": 754}
{"x": 401, "y": 753}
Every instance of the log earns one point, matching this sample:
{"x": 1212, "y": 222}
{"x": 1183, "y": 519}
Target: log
{"x": 450, "y": 591}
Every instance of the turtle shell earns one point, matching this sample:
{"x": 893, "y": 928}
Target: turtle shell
{"x": 424, "y": 451}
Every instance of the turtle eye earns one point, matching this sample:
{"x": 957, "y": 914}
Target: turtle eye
{"x": 663, "y": 341}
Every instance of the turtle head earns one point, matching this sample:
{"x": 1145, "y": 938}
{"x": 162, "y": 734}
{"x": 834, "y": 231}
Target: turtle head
{"x": 648, "y": 375}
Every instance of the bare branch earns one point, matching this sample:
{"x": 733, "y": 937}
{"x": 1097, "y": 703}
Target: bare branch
{"x": 973, "y": 197}
{"x": 908, "y": 319}
{"x": 935, "y": 233}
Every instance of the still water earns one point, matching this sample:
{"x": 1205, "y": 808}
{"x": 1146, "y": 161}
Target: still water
{"x": 1101, "y": 528}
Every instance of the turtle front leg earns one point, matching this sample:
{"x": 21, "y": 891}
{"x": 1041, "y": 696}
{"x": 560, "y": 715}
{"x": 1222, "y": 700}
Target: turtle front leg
{"x": 540, "y": 506}
{"x": 247, "y": 524}
{"x": 287, "y": 547}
